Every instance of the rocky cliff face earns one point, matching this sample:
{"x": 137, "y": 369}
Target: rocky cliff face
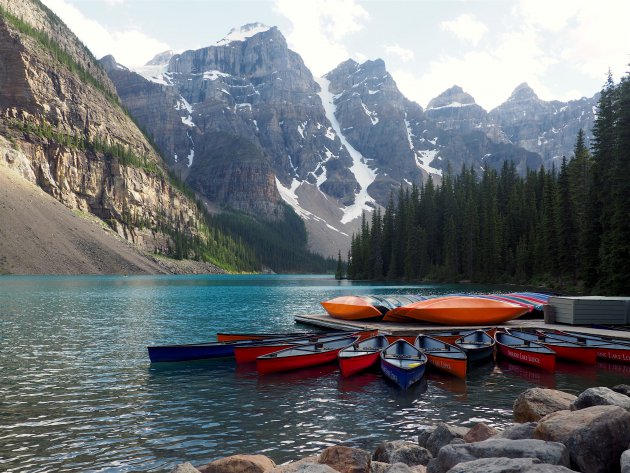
{"x": 60, "y": 111}
{"x": 331, "y": 147}
{"x": 546, "y": 128}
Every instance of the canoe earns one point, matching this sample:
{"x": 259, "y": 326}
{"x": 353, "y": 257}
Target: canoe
{"x": 403, "y": 363}
{"x": 237, "y": 337}
{"x": 443, "y": 356}
{"x": 365, "y": 307}
{"x": 525, "y": 351}
{"x": 302, "y": 356}
{"x": 248, "y": 353}
{"x": 361, "y": 355}
{"x": 478, "y": 346}
{"x": 451, "y": 336}
{"x": 564, "y": 349}
{"x": 608, "y": 349}
{"x": 462, "y": 310}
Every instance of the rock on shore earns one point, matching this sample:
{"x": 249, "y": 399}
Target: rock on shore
{"x": 555, "y": 432}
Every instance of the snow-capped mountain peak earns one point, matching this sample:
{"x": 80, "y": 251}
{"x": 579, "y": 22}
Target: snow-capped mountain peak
{"x": 242, "y": 33}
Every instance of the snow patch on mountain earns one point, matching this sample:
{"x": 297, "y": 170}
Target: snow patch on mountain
{"x": 289, "y": 195}
{"x": 362, "y": 172}
{"x": 214, "y": 75}
{"x": 182, "y": 104}
{"x": 424, "y": 158}
{"x": 451, "y": 105}
{"x": 242, "y": 33}
{"x": 372, "y": 115}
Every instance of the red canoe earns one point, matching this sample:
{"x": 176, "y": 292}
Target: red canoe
{"x": 302, "y": 356}
{"x": 611, "y": 350}
{"x": 564, "y": 349}
{"x": 443, "y": 356}
{"x": 249, "y": 353}
{"x": 525, "y": 351}
{"x": 361, "y": 355}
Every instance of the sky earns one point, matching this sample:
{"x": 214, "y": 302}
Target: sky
{"x": 562, "y": 48}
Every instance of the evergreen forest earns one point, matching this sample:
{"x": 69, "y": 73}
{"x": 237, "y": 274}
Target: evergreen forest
{"x": 566, "y": 227}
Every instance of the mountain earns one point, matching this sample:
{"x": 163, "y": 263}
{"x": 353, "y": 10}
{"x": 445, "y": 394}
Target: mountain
{"x": 246, "y": 124}
{"x": 65, "y": 130}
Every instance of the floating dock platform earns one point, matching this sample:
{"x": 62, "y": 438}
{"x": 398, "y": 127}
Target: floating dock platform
{"x": 409, "y": 329}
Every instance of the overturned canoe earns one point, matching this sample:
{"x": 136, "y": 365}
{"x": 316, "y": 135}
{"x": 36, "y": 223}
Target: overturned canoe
{"x": 525, "y": 351}
{"x": 462, "y": 310}
{"x": 365, "y": 307}
{"x": 361, "y": 355}
{"x": 443, "y": 356}
{"x": 403, "y": 363}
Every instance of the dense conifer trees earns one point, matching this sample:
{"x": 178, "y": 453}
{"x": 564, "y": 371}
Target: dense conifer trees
{"x": 566, "y": 226}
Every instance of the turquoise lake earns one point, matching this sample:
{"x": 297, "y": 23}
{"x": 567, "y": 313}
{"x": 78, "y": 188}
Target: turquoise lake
{"x": 78, "y": 393}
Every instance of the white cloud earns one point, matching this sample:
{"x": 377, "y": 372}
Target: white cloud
{"x": 318, "y": 28}
{"x": 130, "y": 47}
{"x": 466, "y": 27}
{"x": 404, "y": 54}
{"x": 488, "y": 75}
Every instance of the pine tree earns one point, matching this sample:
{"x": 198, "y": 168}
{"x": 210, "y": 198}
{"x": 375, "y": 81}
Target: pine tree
{"x": 339, "y": 270}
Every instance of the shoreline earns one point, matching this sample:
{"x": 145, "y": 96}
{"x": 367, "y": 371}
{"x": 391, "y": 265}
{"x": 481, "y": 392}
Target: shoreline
{"x": 553, "y": 432}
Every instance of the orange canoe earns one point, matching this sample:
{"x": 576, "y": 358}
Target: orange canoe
{"x": 462, "y": 310}
{"x": 351, "y": 308}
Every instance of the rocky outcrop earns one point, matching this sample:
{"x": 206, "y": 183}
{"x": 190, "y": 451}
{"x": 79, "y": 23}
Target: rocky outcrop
{"x": 455, "y": 109}
{"x": 536, "y": 403}
{"x": 507, "y": 465}
{"x": 595, "y": 436}
{"x": 61, "y": 110}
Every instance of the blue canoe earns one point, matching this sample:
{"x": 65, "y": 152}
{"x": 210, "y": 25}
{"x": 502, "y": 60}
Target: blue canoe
{"x": 201, "y": 351}
{"x": 403, "y": 363}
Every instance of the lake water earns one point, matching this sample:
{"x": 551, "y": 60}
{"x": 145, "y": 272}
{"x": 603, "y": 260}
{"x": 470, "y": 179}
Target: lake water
{"x": 78, "y": 393}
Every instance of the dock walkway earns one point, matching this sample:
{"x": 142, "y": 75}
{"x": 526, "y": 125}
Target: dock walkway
{"x": 407, "y": 329}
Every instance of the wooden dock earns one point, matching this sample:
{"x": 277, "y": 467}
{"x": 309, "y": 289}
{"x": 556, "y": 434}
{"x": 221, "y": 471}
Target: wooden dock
{"x": 408, "y": 329}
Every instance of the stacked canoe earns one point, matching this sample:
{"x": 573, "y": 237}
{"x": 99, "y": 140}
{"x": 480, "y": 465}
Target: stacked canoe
{"x": 455, "y": 309}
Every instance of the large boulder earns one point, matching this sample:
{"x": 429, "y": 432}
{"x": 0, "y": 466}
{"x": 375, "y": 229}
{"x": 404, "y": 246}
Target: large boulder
{"x": 601, "y": 396}
{"x": 378, "y": 467}
{"x": 518, "y": 431}
{"x": 424, "y": 434}
{"x": 536, "y": 403}
{"x": 292, "y": 467}
{"x": 547, "y": 452}
{"x": 595, "y": 436}
{"x": 443, "y": 435}
{"x": 346, "y": 459}
{"x": 622, "y": 389}
{"x": 185, "y": 468}
{"x": 400, "y": 451}
{"x": 508, "y": 465}
{"x": 625, "y": 462}
{"x": 480, "y": 432}
{"x": 239, "y": 464}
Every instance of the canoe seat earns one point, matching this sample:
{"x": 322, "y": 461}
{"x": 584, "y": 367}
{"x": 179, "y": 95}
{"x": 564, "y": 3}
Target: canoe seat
{"x": 403, "y": 356}
{"x": 474, "y": 343}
